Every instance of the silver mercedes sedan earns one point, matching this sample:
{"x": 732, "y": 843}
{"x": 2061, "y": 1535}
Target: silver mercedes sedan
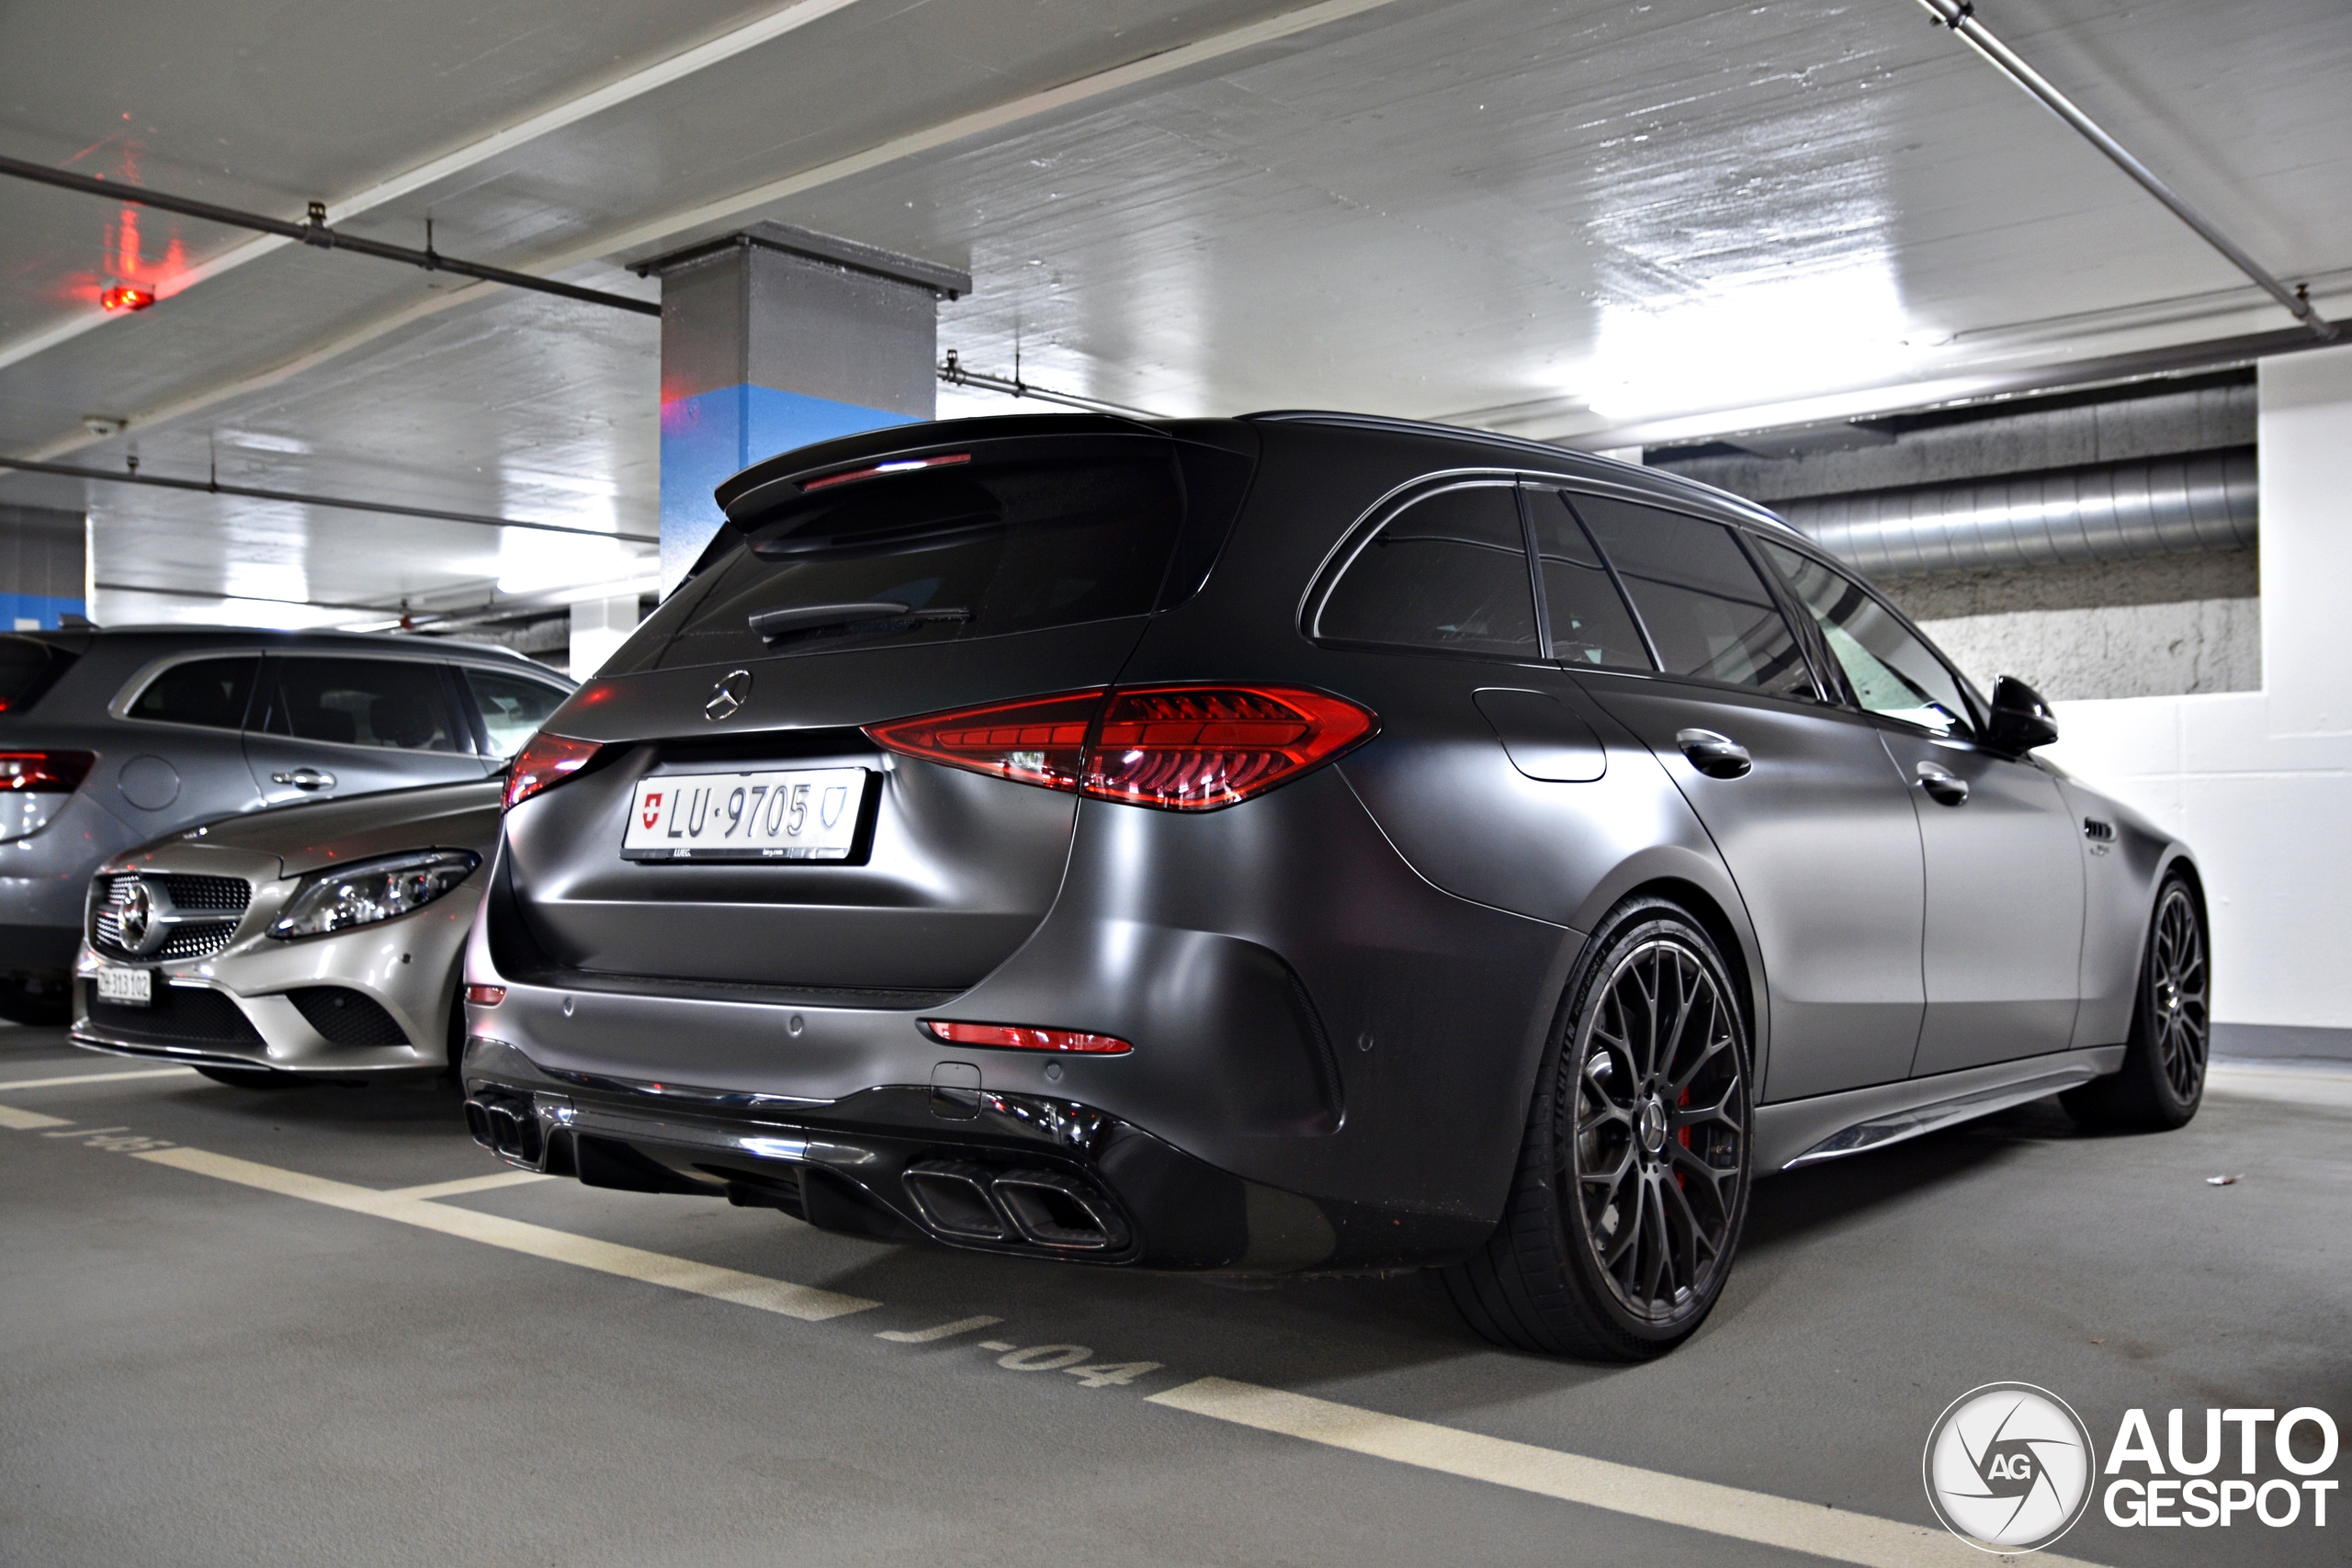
{"x": 318, "y": 941}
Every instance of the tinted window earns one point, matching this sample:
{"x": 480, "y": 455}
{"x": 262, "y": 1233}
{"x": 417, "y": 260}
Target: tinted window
{"x": 27, "y": 668}
{"x": 977, "y": 549}
{"x": 512, "y": 707}
{"x": 1588, "y": 621}
{"x": 1449, "y": 572}
{"x": 210, "y": 692}
{"x": 1708, "y": 613}
{"x": 363, "y": 702}
{"x": 1891, "y": 671}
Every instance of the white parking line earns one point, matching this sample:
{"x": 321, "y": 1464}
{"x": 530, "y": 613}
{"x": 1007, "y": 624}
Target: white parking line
{"x": 17, "y": 1121}
{"x": 97, "y": 1077}
{"x": 489, "y": 1183}
{"x": 1815, "y": 1529}
{"x": 1758, "y": 1516}
{"x": 803, "y": 1301}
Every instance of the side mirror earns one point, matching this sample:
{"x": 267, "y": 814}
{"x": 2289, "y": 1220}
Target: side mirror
{"x": 2021, "y": 719}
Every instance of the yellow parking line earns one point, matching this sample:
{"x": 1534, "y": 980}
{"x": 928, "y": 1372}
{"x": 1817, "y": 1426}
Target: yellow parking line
{"x": 98, "y": 1077}
{"x": 781, "y": 1296}
{"x": 1756, "y": 1516}
{"x": 458, "y": 1189}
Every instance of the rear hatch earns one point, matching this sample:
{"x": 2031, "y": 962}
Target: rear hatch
{"x": 737, "y": 826}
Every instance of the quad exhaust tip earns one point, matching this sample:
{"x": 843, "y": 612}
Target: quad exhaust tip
{"x": 508, "y": 1129}
{"x": 967, "y": 1201}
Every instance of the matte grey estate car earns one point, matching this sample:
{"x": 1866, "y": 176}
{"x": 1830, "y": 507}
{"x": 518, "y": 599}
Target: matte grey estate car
{"x": 1298, "y": 842}
{"x": 320, "y": 939}
{"x": 110, "y": 739}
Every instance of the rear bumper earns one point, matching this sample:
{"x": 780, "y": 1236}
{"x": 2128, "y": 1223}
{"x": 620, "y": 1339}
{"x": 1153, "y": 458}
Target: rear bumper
{"x": 988, "y": 1170}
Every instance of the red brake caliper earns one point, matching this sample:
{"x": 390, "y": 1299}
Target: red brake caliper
{"x": 1683, "y": 1136}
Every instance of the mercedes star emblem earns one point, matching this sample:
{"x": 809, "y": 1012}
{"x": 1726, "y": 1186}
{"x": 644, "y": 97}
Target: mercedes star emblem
{"x": 727, "y": 697}
{"x": 138, "y": 914}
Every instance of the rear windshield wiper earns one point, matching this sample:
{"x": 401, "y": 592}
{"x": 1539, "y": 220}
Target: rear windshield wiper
{"x": 776, "y": 624}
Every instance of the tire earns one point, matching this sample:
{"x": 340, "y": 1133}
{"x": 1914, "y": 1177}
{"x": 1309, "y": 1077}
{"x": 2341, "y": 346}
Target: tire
{"x": 2162, "y": 1081}
{"x": 1565, "y": 1274}
{"x": 249, "y": 1077}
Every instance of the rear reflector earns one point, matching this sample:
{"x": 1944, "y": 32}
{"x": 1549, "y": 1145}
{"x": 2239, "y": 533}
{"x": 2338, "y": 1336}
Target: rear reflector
{"x": 1176, "y": 748}
{"x": 50, "y": 772}
{"x": 544, "y": 761}
{"x": 485, "y": 996}
{"x": 1020, "y": 1037}
{"x": 896, "y": 466}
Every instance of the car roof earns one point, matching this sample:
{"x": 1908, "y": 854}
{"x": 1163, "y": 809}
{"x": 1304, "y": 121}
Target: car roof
{"x": 167, "y": 634}
{"x": 1593, "y": 464}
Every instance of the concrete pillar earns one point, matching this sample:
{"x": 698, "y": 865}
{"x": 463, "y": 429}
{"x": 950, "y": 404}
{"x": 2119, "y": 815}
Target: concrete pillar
{"x": 598, "y": 627}
{"x": 45, "y": 568}
{"x": 777, "y": 337}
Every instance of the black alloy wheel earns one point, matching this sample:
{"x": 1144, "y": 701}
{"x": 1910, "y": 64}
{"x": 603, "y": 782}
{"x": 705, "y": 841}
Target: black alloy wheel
{"x": 2162, "y": 1080}
{"x": 1633, "y": 1182}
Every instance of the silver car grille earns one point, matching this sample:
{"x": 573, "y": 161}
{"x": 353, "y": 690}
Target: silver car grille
{"x": 209, "y": 909}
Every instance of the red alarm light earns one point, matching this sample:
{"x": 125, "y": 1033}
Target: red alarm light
{"x": 126, "y": 297}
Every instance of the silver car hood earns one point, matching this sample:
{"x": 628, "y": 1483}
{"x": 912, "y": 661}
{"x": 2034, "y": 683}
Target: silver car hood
{"x": 339, "y": 833}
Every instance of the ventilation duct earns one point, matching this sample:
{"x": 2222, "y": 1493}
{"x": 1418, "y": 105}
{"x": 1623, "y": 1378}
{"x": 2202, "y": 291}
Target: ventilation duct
{"x": 2157, "y": 506}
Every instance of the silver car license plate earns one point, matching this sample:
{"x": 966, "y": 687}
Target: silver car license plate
{"x": 780, "y": 814}
{"x": 126, "y": 988}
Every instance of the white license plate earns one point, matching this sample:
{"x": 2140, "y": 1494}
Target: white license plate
{"x": 126, "y": 988}
{"x": 782, "y": 814}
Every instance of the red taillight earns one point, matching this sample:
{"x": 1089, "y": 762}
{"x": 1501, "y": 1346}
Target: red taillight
{"x": 485, "y": 996}
{"x": 544, "y": 761}
{"x": 1195, "y": 748}
{"x": 895, "y": 466}
{"x": 1041, "y": 742}
{"x": 1022, "y": 1037}
{"x": 1177, "y": 748}
{"x": 52, "y": 772}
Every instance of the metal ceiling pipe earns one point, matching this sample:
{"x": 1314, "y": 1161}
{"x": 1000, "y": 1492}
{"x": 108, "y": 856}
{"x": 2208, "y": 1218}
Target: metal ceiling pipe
{"x": 1959, "y": 17}
{"x": 2184, "y": 506}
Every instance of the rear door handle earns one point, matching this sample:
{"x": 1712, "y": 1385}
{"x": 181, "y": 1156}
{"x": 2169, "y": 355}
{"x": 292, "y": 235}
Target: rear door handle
{"x": 1717, "y": 756}
{"x": 1948, "y": 789}
{"x": 305, "y": 778}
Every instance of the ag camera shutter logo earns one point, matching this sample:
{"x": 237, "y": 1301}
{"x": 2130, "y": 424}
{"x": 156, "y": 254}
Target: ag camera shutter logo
{"x": 2009, "y": 1467}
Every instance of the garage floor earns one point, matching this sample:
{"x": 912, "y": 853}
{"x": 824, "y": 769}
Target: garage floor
{"x": 234, "y": 1351}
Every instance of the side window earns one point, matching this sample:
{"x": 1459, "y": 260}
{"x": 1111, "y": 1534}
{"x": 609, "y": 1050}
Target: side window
{"x": 363, "y": 702}
{"x": 1589, "y": 623}
{"x": 1449, "y": 572}
{"x": 1708, "y": 613}
{"x": 209, "y": 691}
{"x": 1891, "y": 672}
{"x": 512, "y": 707}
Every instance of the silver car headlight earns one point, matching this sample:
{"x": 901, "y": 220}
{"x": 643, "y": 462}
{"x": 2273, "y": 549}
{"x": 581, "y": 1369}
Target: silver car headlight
{"x": 373, "y": 890}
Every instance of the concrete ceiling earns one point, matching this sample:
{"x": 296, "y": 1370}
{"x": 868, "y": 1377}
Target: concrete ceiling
{"x": 1561, "y": 220}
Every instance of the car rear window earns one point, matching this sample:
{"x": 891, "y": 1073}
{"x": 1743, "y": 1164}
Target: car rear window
{"x": 27, "y": 668}
{"x": 398, "y": 702}
{"x": 1449, "y": 572}
{"x": 512, "y": 708}
{"x": 1708, "y": 612}
{"x": 978, "y": 548}
{"x": 209, "y": 691}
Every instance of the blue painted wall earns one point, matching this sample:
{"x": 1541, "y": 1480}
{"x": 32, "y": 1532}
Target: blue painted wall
{"x": 37, "y": 612}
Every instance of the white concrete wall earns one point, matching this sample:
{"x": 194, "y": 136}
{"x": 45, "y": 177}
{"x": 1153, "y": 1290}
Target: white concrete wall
{"x": 2259, "y": 784}
{"x": 598, "y": 628}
